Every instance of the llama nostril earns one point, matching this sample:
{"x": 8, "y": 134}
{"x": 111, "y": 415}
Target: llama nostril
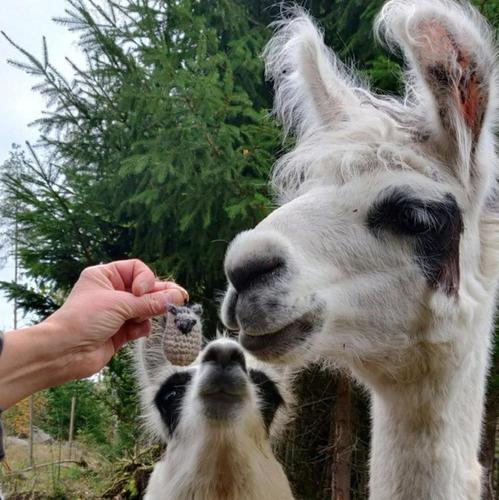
{"x": 244, "y": 275}
{"x": 225, "y": 356}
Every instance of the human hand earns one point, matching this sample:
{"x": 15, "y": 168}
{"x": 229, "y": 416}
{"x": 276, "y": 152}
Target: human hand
{"x": 109, "y": 305}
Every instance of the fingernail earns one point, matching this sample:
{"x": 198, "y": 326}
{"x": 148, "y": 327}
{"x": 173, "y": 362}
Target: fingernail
{"x": 174, "y": 296}
{"x": 185, "y": 293}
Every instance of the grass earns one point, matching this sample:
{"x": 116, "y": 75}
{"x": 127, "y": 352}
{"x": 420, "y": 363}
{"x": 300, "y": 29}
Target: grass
{"x": 84, "y": 477}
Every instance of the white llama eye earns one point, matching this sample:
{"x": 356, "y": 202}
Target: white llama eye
{"x": 415, "y": 221}
{"x": 401, "y": 212}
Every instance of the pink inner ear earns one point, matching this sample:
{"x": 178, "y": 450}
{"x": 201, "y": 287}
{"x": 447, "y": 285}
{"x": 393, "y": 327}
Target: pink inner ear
{"x": 439, "y": 48}
{"x": 471, "y": 99}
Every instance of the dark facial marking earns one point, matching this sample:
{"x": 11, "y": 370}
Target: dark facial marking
{"x": 270, "y": 396}
{"x": 169, "y": 398}
{"x": 434, "y": 227}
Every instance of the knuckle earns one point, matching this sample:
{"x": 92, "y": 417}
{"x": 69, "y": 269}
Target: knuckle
{"x": 87, "y": 271}
{"x": 153, "y": 303}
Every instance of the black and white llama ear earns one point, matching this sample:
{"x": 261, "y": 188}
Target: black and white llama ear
{"x": 450, "y": 52}
{"x": 312, "y": 89}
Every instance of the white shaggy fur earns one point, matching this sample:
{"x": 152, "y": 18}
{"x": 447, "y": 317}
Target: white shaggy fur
{"x": 225, "y": 459}
{"x": 318, "y": 278}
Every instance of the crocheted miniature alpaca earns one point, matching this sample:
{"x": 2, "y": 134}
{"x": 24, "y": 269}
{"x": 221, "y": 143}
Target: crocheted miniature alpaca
{"x": 182, "y": 334}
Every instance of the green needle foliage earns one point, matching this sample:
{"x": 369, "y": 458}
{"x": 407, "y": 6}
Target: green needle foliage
{"x": 160, "y": 147}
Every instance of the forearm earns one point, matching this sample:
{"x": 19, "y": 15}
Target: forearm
{"x": 32, "y": 360}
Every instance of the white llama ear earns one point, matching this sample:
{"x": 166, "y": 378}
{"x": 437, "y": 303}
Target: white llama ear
{"x": 449, "y": 49}
{"x": 149, "y": 353}
{"x": 312, "y": 88}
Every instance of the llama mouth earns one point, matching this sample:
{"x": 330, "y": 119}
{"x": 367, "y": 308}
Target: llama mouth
{"x": 222, "y": 397}
{"x": 275, "y": 344}
{"x": 223, "y": 385}
{"x": 222, "y": 405}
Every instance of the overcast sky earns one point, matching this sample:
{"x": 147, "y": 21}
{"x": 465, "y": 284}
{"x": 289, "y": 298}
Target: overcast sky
{"x": 26, "y": 21}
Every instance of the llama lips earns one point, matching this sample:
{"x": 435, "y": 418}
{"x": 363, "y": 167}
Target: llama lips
{"x": 222, "y": 394}
{"x": 275, "y": 344}
{"x": 224, "y": 385}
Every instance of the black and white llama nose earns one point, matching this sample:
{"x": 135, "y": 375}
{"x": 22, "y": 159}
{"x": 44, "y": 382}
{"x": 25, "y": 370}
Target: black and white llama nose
{"x": 252, "y": 258}
{"x": 225, "y": 355}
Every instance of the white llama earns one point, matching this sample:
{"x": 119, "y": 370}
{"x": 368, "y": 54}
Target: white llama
{"x": 384, "y": 254}
{"x": 217, "y": 416}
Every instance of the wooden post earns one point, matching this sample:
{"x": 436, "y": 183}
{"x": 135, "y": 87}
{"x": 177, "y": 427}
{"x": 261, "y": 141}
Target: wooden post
{"x": 488, "y": 449}
{"x": 72, "y": 424}
{"x": 342, "y": 440}
{"x": 31, "y": 437}
{"x": 489, "y": 435}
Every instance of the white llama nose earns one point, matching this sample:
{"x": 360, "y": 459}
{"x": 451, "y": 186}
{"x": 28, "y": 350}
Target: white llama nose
{"x": 253, "y": 257}
{"x": 224, "y": 355}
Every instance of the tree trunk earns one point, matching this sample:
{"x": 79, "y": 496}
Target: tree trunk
{"x": 342, "y": 440}
{"x": 488, "y": 451}
{"x": 71, "y": 425}
{"x": 31, "y": 431}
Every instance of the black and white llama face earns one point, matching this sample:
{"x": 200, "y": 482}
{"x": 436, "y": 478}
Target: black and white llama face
{"x": 221, "y": 388}
{"x": 382, "y": 201}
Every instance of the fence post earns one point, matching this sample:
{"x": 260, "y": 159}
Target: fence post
{"x": 31, "y": 437}
{"x": 342, "y": 440}
{"x": 72, "y": 424}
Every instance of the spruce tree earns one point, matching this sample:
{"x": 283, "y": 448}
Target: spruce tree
{"x": 160, "y": 148}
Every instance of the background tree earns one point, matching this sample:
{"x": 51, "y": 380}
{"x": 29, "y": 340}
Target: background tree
{"x": 160, "y": 148}
{"x": 92, "y": 417}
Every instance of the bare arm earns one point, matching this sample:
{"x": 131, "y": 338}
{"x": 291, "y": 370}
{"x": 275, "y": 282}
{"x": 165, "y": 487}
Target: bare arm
{"x": 32, "y": 360}
{"x": 109, "y": 305}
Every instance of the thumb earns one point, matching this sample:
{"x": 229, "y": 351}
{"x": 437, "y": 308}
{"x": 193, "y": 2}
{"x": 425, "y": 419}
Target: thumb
{"x": 152, "y": 304}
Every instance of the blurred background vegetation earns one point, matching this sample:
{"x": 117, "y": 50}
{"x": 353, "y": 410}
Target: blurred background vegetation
{"x": 160, "y": 148}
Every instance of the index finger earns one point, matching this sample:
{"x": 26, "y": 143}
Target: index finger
{"x": 167, "y": 285}
{"x": 135, "y": 275}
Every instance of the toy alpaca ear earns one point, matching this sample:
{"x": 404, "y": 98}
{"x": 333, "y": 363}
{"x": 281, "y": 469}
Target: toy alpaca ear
{"x": 449, "y": 49}
{"x": 197, "y": 309}
{"x": 172, "y": 309}
{"x": 311, "y": 87}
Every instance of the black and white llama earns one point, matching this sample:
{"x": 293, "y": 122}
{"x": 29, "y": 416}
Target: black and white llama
{"x": 217, "y": 416}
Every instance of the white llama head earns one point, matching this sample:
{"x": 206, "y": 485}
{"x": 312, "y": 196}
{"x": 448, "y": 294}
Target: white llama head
{"x": 382, "y": 228}
{"x": 225, "y": 389}
{"x": 218, "y": 416}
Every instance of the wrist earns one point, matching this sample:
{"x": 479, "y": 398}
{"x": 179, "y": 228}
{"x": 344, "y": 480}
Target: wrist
{"x": 33, "y": 359}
